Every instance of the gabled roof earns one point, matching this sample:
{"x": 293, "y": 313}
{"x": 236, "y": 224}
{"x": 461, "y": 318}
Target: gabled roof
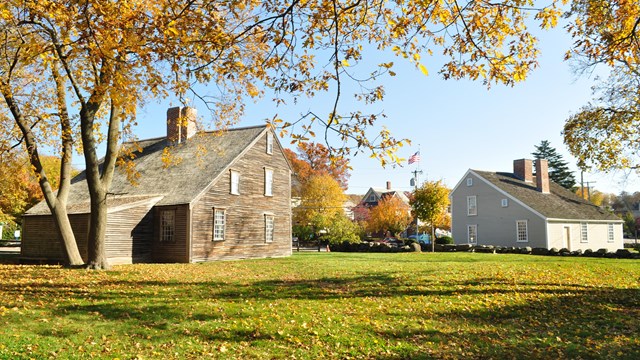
{"x": 560, "y": 203}
{"x": 381, "y": 193}
{"x": 195, "y": 165}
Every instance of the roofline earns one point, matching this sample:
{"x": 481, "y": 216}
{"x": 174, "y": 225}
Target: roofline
{"x": 506, "y": 193}
{"x": 459, "y": 182}
{"x": 585, "y": 220}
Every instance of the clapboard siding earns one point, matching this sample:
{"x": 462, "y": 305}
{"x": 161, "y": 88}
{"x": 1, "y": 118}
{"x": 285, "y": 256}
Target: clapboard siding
{"x": 41, "y": 238}
{"x": 175, "y": 251}
{"x": 245, "y": 213}
{"x": 129, "y": 234}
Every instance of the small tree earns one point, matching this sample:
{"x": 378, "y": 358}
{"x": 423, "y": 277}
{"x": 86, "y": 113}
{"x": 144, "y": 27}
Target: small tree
{"x": 342, "y": 229}
{"x": 321, "y": 201}
{"x": 391, "y": 214}
{"x": 430, "y": 203}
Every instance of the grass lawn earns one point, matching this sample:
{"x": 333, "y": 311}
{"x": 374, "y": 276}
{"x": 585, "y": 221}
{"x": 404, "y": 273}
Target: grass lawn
{"x": 327, "y": 305}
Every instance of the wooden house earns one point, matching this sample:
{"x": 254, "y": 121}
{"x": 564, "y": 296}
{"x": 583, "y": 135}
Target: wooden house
{"x": 212, "y": 196}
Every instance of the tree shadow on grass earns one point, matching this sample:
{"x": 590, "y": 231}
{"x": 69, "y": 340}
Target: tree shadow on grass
{"x": 532, "y": 320}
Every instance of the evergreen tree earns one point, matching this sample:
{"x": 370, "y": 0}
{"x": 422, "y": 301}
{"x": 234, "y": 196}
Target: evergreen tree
{"x": 558, "y": 170}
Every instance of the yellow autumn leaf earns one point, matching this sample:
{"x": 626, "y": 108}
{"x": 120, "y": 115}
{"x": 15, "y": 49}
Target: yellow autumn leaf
{"x": 423, "y": 69}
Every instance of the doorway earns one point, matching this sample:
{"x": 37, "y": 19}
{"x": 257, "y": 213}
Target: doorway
{"x": 566, "y": 237}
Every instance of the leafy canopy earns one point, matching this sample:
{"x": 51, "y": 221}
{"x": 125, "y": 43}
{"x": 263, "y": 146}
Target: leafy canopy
{"x": 605, "y": 133}
{"x": 430, "y": 202}
{"x": 391, "y": 214}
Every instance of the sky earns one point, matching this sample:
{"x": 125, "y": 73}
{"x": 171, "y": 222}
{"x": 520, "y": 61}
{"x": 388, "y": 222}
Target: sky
{"x": 456, "y": 125}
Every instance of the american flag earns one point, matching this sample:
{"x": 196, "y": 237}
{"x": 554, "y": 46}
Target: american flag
{"x": 414, "y": 158}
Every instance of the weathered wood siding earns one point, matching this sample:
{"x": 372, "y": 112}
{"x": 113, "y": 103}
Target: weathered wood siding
{"x": 245, "y": 213}
{"x": 41, "y": 238}
{"x": 129, "y": 234}
{"x": 173, "y": 251}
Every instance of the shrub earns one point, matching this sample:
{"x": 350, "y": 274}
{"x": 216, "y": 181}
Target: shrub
{"x": 444, "y": 240}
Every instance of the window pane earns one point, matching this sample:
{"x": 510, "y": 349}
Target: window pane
{"x": 471, "y": 205}
{"x": 268, "y": 182}
{"x": 521, "y": 229}
{"x": 167, "y": 225}
{"x": 268, "y": 228}
{"x": 584, "y": 235}
{"x": 235, "y": 182}
{"x": 218, "y": 224}
{"x": 269, "y": 143}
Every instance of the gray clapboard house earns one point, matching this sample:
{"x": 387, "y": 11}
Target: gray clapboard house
{"x": 524, "y": 209}
{"x": 223, "y": 195}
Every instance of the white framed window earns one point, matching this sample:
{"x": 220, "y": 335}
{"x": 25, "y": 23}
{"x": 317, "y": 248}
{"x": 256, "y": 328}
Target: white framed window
{"x": 610, "y": 233}
{"x": 522, "y": 232}
{"x": 472, "y": 234}
{"x": 268, "y": 182}
{"x": 469, "y": 181}
{"x": 472, "y": 206}
{"x": 219, "y": 221}
{"x": 235, "y": 183}
{"x": 584, "y": 233}
{"x": 268, "y": 228}
{"x": 167, "y": 225}
{"x": 372, "y": 198}
{"x": 504, "y": 202}
{"x": 269, "y": 143}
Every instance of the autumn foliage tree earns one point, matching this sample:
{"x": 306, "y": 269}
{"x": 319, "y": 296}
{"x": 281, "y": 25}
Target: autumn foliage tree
{"x": 321, "y": 202}
{"x": 75, "y": 72}
{"x": 430, "y": 202}
{"x": 604, "y": 133}
{"x": 314, "y": 159}
{"x": 391, "y": 214}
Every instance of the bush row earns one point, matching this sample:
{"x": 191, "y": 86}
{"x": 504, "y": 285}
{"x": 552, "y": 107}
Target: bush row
{"x": 414, "y": 247}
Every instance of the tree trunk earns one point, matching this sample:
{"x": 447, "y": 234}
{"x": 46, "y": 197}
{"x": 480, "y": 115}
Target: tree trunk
{"x": 433, "y": 237}
{"x": 97, "y": 253}
{"x": 67, "y": 238}
{"x": 57, "y": 203}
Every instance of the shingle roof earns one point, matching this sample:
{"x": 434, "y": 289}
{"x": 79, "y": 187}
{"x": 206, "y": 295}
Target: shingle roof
{"x": 196, "y": 163}
{"x": 560, "y": 203}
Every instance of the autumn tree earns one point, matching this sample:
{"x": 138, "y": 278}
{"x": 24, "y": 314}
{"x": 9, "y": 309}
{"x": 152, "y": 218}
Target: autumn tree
{"x": 592, "y": 195}
{"x": 558, "y": 168}
{"x": 321, "y": 202}
{"x": 78, "y": 71}
{"x": 604, "y": 133}
{"x": 313, "y": 159}
{"x": 391, "y": 214}
{"x": 430, "y": 202}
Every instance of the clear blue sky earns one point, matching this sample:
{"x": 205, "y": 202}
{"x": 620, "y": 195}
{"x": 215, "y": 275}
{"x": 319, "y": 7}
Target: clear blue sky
{"x": 457, "y": 125}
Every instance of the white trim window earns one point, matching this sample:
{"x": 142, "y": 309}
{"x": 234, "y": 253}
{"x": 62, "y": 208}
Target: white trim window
{"x": 472, "y": 205}
{"x": 469, "y": 181}
{"x": 219, "y": 221}
{"x": 235, "y": 182}
{"x": 269, "y": 143}
{"x": 522, "y": 231}
{"x": 472, "y": 234}
{"x": 610, "y": 233}
{"x": 269, "y": 222}
{"x": 167, "y": 225}
{"x": 504, "y": 202}
{"x": 584, "y": 232}
{"x": 268, "y": 182}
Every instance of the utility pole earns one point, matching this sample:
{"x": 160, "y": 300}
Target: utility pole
{"x": 415, "y": 173}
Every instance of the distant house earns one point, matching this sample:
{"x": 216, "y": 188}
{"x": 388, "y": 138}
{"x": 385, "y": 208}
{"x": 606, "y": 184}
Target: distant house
{"x": 226, "y": 195}
{"x": 373, "y": 196}
{"x": 522, "y": 209}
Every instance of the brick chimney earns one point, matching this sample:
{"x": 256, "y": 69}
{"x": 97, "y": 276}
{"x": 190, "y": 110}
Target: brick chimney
{"x": 522, "y": 169}
{"x": 181, "y": 123}
{"x": 388, "y": 185}
{"x": 542, "y": 175}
